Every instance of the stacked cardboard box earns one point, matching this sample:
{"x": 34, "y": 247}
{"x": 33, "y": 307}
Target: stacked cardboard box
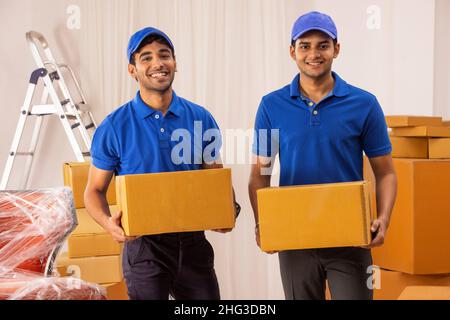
{"x": 419, "y": 137}
{"x": 415, "y": 251}
{"x": 93, "y": 255}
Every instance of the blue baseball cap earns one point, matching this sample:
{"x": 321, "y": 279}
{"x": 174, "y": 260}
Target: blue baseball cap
{"x": 136, "y": 39}
{"x": 314, "y": 21}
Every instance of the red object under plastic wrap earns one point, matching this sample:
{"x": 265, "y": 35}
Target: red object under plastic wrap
{"x": 33, "y": 226}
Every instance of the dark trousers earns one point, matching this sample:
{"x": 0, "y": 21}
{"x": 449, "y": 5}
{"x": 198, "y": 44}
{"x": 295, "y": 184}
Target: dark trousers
{"x": 179, "y": 264}
{"x": 304, "y": 272}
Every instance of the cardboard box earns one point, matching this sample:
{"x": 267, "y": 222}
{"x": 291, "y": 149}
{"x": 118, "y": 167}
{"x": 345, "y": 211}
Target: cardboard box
{"x": 388, "y": 285}
{"x": 87, "y": 225}
{"x": 106, "y": 269}
{"x": 314, "y": 216}
{"x": 76, "y": 177}
{"x": 176, "y": 201}
{"x": 446, "y": 123}
{"x": 420, "y": 148}
{"x": 89, "y": 239}
{"x": 116, "y": 291}
{"x": 92, "y": 245}
{"x": 439, "y": 148}
{"x": 418, "y": 238}
{"x": 425, "y": 293}
{"x": 403, "y": 147}
{"x": 422, "y": 132}
{"x": 412, "y": 121}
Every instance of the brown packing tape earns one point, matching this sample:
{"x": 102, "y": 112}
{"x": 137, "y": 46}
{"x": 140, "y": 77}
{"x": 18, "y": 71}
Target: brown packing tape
{"x": 183, "y": 201}
{"x": 76, "y": 177}
{"x": 311, "y": 216}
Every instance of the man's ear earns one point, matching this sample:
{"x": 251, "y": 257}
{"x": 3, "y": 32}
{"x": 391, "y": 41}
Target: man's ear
{"x": 292, "y": 52}
{"x": 175, "y": 62}
{"x": 337, "y": 49}
{"x": 132, "y": 71}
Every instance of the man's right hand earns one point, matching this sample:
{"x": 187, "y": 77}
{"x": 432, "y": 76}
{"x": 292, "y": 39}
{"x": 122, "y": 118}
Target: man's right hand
{"x": 114, "y": 227}
{"x": 258, "y": 241}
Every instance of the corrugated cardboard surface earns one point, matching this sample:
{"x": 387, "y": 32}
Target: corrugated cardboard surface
{"x": 176, "y": 201}
{"x": 420, "y": 148}
{"x": 116, "y": 291}
{"x": 405, "y": 147}
{"x": 106, "y": 269}
{"x": 76, "y": 177}
{"x": 393, "y": 283}
{"x": 91, "y": 245}
{"x": 421, "y": 132}
{"x": 87, "y": 225}
{"x": 409, "y": 121}
{"x": 439, "y": 148}
{"x": 418, "y": 238}
{"x": 314, "y": 216}
{"x": 425, "y": 293}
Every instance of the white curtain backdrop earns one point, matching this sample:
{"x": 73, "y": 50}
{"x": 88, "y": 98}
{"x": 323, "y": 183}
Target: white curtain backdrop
{"x": 230, "y": 53}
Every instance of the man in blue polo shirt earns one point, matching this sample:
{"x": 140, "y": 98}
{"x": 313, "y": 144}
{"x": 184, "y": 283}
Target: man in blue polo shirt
{"x": 320, "y": 125}
{"x": 143, "y": 136}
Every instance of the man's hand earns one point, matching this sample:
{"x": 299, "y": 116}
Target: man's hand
{"x": 114, "y": 227}
{"x": 236, "y": 214}
{"x": 258, "y": 241}
{"x": 378, "y": 229}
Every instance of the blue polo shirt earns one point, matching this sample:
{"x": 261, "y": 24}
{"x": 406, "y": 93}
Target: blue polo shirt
{"x": 323, "y": 142}
{"x": 137, "y": 139}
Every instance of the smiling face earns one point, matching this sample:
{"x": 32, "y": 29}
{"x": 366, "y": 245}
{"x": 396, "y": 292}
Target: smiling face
{"x": 314, "y": 53}
{"x": 154, "y": 67}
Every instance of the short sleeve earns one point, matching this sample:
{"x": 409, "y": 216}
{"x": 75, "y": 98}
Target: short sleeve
{"x": 212, "y": 138}
{"x": 105, "y": 147}
{"x": 264, "y": 141}
{"x": 375, "y": 138}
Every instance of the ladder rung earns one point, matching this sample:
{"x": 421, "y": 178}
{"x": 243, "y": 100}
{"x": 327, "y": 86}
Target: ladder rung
{"x": 22, "y": 153}
{"x": 86, "y": 154}
{"x": 75, "y": 125}
{"x": 90, "y": 126}
{"x": 43, "y": 109}
{"x": 70, "y": 116}
{"x": 64, "y": 102}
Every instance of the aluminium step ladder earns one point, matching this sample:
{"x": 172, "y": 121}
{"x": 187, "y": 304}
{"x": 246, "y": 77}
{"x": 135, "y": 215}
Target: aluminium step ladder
{"x": 74, "y": 116}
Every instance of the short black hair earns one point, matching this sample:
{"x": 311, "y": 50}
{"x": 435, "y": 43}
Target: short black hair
{"x": 148, "y": 40}
{"x": 294, "y": 41}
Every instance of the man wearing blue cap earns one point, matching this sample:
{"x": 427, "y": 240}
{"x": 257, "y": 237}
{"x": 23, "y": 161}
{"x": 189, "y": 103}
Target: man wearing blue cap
{"x": 324, "y": 126}
{"x": 140, "y": 137}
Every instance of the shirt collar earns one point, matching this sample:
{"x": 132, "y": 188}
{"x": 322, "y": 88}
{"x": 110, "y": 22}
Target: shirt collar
{"x": 340, "y": 89}
{"x": 144, "y": 110}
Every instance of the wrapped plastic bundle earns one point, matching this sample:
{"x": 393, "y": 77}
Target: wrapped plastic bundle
{"x": 29, "y": 286}
{"x": 33, "y": 226}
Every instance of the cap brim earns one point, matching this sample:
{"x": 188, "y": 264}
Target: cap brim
{"x": 333, "y": 36}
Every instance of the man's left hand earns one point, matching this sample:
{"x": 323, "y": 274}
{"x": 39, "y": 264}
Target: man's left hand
{"x": 378, "y": 229}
